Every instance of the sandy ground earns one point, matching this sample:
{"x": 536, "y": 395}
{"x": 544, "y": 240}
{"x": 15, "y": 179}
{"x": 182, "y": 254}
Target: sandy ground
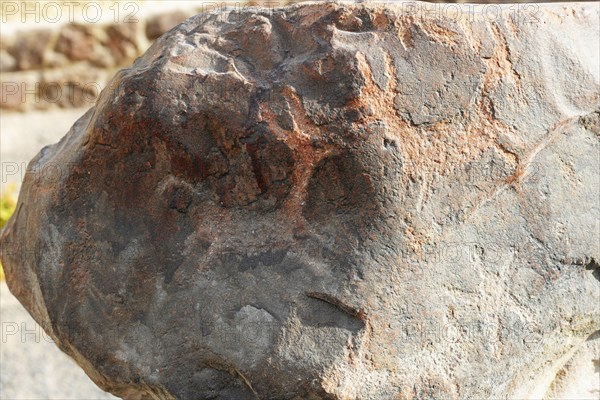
{"x": 31, "y": 366}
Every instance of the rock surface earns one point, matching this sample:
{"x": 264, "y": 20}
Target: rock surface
{"x": 327, "y": 201}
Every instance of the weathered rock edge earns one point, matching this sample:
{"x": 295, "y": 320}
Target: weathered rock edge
{"x": 303, "y": 202}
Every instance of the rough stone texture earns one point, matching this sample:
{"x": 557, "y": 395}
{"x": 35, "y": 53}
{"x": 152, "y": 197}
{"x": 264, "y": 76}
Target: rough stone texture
{"x": 326, "y": 201}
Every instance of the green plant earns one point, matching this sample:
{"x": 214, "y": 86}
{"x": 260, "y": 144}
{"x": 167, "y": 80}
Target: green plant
{"x": 7, "y": 208}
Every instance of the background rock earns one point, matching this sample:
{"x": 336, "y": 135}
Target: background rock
{"x": 29, "y": 51}
{"x": 326, "y": 201}
{"x": 159, "y": 24}
{"x": 76, "y": 42}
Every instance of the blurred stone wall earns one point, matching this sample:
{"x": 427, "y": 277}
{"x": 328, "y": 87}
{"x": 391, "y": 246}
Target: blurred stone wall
{"x": 67, "y": 65}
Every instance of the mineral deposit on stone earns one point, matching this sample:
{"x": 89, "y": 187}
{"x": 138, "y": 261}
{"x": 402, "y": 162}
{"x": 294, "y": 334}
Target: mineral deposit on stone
{"x": 327, "y": 201}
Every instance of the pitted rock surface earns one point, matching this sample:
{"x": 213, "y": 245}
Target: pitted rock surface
{"x": 326, "y": 201}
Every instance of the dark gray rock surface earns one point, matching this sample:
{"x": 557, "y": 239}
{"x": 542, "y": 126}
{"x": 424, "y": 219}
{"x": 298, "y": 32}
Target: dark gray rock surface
{"x": 327, "y": 201}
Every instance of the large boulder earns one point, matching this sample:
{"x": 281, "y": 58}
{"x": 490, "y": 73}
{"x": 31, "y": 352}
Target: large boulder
{"x": 327, "y": 201}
